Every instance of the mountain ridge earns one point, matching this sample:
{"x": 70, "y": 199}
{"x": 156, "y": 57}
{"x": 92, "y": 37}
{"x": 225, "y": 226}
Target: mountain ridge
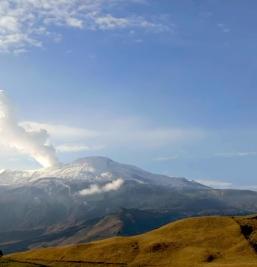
{"x": 122, "y": 223}
{"x": 95, "y": 169}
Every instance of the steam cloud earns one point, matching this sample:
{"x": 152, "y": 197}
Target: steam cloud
{"x": 32, "y": 143}
{"x": 96, "y": 189}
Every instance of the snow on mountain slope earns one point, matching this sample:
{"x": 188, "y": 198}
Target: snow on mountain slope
{"x": 95, "y": 170}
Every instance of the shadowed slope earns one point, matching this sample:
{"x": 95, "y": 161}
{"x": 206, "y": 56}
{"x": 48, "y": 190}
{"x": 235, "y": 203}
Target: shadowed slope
{"x": 205, "y": 241}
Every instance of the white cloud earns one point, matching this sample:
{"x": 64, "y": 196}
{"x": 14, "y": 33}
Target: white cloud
{"x": 126, "y": 133}
{"x": 161, "y": 136}
{"x": 8, "y": 24}
{"x": 236, "y": 154}
{"x": 248, "y": 187}
{"x": 71, "y": 148}
{"x": 24, "y": 23}
{"x": 224, "y": 28}
{"x": 34, "y": 143}
{"x": 58, "y": 131}
{"x": 163, "y": 159}
{"x": 97, "y": 189}
{"x": 109, "y": 22}
{"x": 215, "y": 183}
{"x": 73, "y": 22}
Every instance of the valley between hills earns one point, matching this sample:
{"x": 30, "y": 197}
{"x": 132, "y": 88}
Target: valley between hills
{"x": 218, "y": 241}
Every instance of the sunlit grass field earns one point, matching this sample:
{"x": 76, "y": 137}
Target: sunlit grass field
{"x": 205, "y": 241}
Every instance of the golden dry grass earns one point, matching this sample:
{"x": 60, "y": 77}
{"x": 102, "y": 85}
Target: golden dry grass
{"x": 194, "y": 242}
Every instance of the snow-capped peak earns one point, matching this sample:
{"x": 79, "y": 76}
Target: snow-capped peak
{"x": 93, "y": 169}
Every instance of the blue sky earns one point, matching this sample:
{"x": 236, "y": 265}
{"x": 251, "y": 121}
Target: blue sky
{"x": 169, "y": 86}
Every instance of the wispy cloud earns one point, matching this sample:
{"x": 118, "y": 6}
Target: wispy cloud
{"x": 25, "y": 23}
{"x": 215, "y": 183}
{"x": 218, "y": 184}
{"x": 59, "y": 131}
{"x": 248, "y": 187}
{"x": 98, "y": 189}
{"x": 126, "y": 134}
{"x": 164, "y": 159}
{"x": 224, "y": 28}
{"x": 236, "y": 154}
{"x": 71, "y": 148}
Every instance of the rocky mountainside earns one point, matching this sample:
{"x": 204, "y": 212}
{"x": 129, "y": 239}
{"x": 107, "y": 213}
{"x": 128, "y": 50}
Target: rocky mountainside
{"x": 122, "y": 223}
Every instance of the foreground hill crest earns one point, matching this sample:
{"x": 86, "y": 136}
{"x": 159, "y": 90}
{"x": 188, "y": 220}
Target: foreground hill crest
{"x": 205, "y": 241}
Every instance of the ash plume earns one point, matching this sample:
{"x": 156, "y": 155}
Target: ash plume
{"x": 33, "y": 143}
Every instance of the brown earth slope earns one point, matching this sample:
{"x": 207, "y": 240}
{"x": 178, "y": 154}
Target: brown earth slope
{"x": 205, "y": 241}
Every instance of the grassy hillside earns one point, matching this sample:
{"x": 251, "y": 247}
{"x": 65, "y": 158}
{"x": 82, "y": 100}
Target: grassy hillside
{"x": 205, "y": 241}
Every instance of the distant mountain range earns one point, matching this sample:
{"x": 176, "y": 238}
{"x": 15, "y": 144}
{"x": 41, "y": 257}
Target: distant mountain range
{"x": 92, "y": 198}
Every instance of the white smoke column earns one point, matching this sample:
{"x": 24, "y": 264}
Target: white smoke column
{"x": 96, "y": 189}
{"x": 32, "y": 143}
